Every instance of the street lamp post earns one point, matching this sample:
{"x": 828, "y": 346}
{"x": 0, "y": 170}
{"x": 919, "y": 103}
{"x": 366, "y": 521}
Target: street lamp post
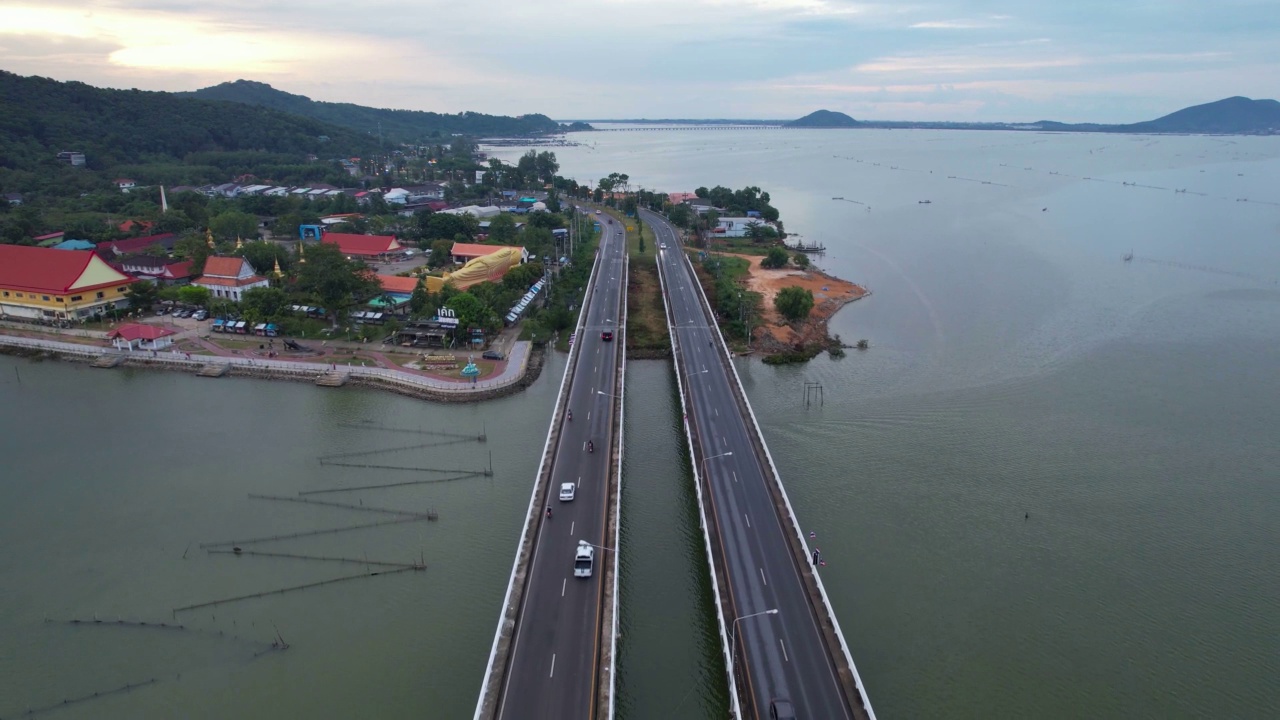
{"x": 713, "y": 457}
{"x": 733, "y": 648}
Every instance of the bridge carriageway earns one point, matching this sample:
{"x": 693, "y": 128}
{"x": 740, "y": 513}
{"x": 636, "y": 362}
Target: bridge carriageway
{"x": 782, "y": 642}
{"x": 553, "y": 651}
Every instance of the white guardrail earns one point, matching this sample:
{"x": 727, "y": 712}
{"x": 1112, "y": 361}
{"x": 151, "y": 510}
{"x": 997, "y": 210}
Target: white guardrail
{"x": 617, "y": 500}
{"x": 174, "y": 357}
{"x": 795, "y": 524}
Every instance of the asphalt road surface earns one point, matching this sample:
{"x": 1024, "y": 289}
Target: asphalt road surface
{"x": 552, "y": 671}
{"x": 777, "y": 655}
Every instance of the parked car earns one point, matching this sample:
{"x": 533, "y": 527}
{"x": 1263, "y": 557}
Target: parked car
{"x": 201, "y": 315}
{"x": 492, "y": 355}
{"x": 161, "y": 311}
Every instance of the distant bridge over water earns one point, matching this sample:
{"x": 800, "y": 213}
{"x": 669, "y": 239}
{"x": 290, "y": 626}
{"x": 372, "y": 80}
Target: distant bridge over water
{"x": 651, "y": 128}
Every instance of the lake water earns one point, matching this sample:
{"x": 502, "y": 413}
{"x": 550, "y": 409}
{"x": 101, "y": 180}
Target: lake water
{"x": 1018, "y": 366}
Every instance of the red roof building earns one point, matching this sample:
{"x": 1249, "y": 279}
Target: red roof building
{"x": 229, "y": 277}
{"x": 398, "y": 285}
{"x": 46, "y": 283}
{"x": 113, "y": 249}
{"x": 131, "y": 225}
{"x": 165, "y": 271}
{"x": 363, "y": 246}
{"x": 132, "y": 336}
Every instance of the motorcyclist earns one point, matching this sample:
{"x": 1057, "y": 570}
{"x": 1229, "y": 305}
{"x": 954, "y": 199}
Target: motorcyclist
{"x": 548, "y": 511}
{"x": 571, "y": 415}
{"x": 590, "y": 447}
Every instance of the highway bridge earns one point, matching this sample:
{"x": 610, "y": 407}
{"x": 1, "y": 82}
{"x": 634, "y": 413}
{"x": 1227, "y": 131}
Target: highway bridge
{"x": 553, "y": 651}
{"x": 782, "y": 642}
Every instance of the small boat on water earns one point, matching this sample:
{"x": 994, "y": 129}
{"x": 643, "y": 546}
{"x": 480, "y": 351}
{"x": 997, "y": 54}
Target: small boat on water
{"x": 924, "y": 202}
{"x": 1128, "y": 256}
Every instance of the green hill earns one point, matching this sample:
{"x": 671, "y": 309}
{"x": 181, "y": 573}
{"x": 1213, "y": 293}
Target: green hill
{"x": 412, "y": 126}
{"x": 40, "y": 117}
{"x": 1230, "y": 116}
{"x": 824, "y": 119}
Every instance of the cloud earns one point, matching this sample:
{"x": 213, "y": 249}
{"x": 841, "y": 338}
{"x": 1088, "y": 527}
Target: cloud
{"x": 691, "y": 58}
{"x": 970, "y": 24}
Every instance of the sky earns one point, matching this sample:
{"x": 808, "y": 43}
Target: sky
{"x": 963, "y": 60}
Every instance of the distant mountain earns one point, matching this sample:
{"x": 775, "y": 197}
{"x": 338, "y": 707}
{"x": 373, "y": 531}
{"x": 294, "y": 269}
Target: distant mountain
{"x": 411, "y": 126}
{"x": 40, "y": 117}
{"x": 1234, "y": 115}
{"x": 824, "y": 119}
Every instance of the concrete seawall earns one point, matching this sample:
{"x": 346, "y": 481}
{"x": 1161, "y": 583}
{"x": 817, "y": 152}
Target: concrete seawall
{"x": 402, "y": 383}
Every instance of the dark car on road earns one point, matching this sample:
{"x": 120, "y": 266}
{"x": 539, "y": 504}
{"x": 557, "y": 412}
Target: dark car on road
{"x": 781, "y": 710}
{"x": 491, "y": 355}
{"x": 607, "y": 335}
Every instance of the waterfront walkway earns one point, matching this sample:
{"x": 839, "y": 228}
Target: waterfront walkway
{"x": 511, "y": 372}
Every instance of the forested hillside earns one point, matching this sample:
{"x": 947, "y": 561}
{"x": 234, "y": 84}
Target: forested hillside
{"x": 408, "y": 126}
{"x": 159, "y": 137}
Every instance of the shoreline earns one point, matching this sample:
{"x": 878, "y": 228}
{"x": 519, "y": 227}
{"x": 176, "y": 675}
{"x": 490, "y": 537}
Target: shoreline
{"x": 776, "y": 336}
{"x": 376, "y": 378}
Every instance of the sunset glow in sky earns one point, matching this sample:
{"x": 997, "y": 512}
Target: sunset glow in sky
{"x": 1085, "y": 60}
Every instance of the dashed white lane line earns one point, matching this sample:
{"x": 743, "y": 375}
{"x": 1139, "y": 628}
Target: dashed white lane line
{"x": 553, "y": 665}
{"x": 784, "y": 650}
{"x": 564, "y": 584}
{"x": 744, "y": 517}
{"x": 766, "y": 582}
{"x": 735, "y": 475}
{"x": 571, "y": 526}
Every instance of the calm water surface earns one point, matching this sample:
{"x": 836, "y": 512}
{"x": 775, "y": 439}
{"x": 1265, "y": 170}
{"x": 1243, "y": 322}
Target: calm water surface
{"x": 1018, "y": 367}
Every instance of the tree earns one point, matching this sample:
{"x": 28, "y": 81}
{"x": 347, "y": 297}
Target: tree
{"x": 194, "y": 295}
{"x": 521, "y": 277}
{"x": 545, "y": 166}
{"x": 471, "y": 312}
{"x": 502, "y": 229}
{"x": 234, "y": 224}
{"x": 441, "y": 253}
{"x": 445, "y": 225}
{"x": 142, "y": 294}
{"x": 681, "y": 215}
{"x": 794, "y": 302}
{"x": 266, "y": 302}
{"x": 419, "y": 300}
{"x": 775, "y": 258}
{"x": 264, "y": 255}
{"x": 193, "y": 247}
{"x": 334, "y": 280}
{"x": 800, "y": 259}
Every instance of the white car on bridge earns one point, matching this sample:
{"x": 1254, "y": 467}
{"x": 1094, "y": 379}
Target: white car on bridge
{"x": 583, "y": 559}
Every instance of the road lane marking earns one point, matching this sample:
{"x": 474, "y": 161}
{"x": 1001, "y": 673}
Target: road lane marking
{"x": 766, "y": 582}
{"x": 784, "y": 650}
{"x": 553, "y": 665}
{"x": 735, "y": 475}
{"x": 744, "y": 516}
{"x": 571, "y": 526}
{"x": 563, "y": 584}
